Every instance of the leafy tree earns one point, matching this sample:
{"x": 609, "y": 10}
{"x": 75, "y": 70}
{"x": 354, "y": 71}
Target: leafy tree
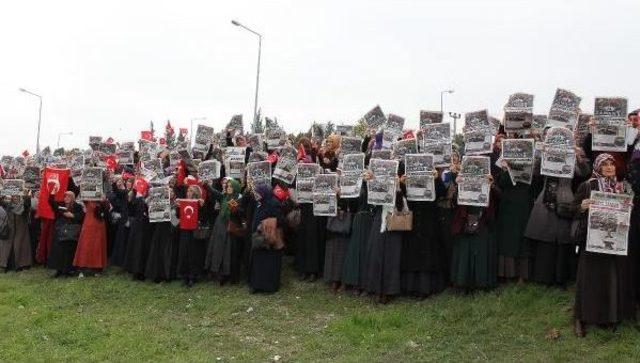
{"x": 257, "y": 125}
{"x": 329, "y": 128}
{"x": 360, "y": 129}
{"x": 458, "y": 140}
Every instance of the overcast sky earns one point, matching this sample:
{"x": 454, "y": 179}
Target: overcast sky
{"x": 108, "y": 68}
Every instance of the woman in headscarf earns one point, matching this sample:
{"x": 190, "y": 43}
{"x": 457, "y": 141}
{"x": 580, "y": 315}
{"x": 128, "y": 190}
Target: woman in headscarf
{"x": 385, "y": 252}
{"x": 15, "y": 252}
{"x": 266, "y": 261}
{"x": 189, "y": 261}
{"x": 355, "y": 262}
{"x": 163, "y": 248}
{"x": 424, "y": 264}
{"x": 91, "y": 253}
{"x": 474, "y": 255}
{"x": 514, "y": 260}
{"x": 605, "y": 283}
{"x": 69, "y": 217}
{"x": 310, "y": 242}
{"x": 549, "y": 225}
{"x": 137, "y": 251}
{"x": 120, "y": 216}
{"x": 224, "y": 251}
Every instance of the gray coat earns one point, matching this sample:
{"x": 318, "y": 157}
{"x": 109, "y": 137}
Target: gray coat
{"x": 19, "y": 240}
{"x": 544, "y": 224}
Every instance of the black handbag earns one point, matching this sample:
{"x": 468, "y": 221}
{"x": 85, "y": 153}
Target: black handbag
{"x": 258, "y": 241}
{"x": 67, "y": 232}
{"x": 340, "y": 224}
{"x": 472, "y": 223}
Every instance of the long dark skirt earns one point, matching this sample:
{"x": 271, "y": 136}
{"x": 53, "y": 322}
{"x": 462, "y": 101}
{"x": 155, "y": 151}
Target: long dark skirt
{"x": 445, "y": 217}
{"x": 34, "y": 234}
{"x": 310, "y": 244}
{"x": 423, "y": 282}
{"x": 553, "y": 263}
{"x": 224, "y": 253}
{"x": 265, "y": 269}
{"x": 190, "y": 265}
{"x": 62, "y": 254}
{"x": 159, "y": 252}
{"x": 355, "y": 262}
{"x": 334, "y": 257}
{"x": 119, "y": 249}
{"x": 385, "y": 254}
{"x": 137, "y": 250}
{"x": 605, "y": 289}
{"x": 474, "y": 260}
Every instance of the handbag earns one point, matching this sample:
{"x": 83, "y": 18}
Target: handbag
{"x": 273, "y": 234}
{"x": 258, "y": 242}
{"x": 472, "y": 223}
{"x": 340, "y": 223}
{"x": 237, "y": 229}
{"x": 400, "y": 221}
{"x": 67, "y": 232}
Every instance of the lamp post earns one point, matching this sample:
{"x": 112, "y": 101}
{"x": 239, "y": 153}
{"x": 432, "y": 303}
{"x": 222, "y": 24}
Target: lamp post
{"x": 39, "y": 116}
{"x": 255, "y": 102}
{"x": 455, "y": 117}
{"x": 442, "y": 98}
{"x": 62, "y": 134}
{"x": 191, "y": 137}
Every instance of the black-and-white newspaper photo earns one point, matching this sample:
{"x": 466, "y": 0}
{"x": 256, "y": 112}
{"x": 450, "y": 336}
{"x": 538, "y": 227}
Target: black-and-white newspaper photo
{"x": 608, "y": 224}
{"x": 564, "y": 109}
{"x": 159, "y": 202}
{"x": 91, "y": 184}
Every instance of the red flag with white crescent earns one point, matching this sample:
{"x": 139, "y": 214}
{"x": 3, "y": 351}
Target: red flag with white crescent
{"x": 53, "y": 179}
{"x": 188, "y": 213}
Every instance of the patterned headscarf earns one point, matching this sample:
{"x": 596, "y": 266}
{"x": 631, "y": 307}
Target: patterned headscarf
{"x": 225, "y": 210}
{"x": 606, "y": 184}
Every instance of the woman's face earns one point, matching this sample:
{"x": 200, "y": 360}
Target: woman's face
{"x": 455, "y": 158}
{"x": 608, "y": 169}
{"x": 68, "y": 199}
{"x": 229, "y": 189}
{"x": 119, "y": 184}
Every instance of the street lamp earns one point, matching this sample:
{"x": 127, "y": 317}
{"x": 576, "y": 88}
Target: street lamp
{"x": 39, "y": 117}
{"x": 255, "y": 102}
{"x": 191, "y": 138}
{"x": 62, "y": 134}
{"x": 455, "y": 117}
{"x": 441, "y": 97}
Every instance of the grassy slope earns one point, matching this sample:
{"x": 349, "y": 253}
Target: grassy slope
{"x": 113, "y": 318}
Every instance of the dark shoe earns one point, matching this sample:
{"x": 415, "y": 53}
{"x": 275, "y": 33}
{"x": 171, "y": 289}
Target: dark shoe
{"x": 579, "y": 329}
{"x": 57, "y": 274}
{"x": 313, "y": 278}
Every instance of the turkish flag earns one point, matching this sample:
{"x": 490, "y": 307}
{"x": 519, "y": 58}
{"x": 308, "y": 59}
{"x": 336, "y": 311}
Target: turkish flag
{"x": 52, "y": 179}
{"x": 188, "y": 213}
{"x": 146, "y": 135}
{"x": 111, "y": 162}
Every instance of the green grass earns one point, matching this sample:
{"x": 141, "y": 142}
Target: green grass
{"x": 112, "y": 318}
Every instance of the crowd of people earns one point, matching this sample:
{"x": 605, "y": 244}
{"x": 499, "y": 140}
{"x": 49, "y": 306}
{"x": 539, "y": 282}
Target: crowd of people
{"x": 528, "y": 233}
